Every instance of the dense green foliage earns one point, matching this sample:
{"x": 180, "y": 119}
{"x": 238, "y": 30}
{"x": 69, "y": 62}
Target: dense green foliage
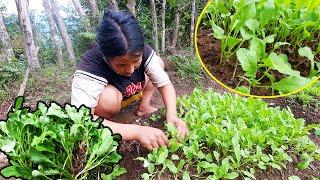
{"x": 259, "y": 33}
{"x": 10, "y": 72}
{"x": 230, "y": 137}
{"x": 55, "y": 143}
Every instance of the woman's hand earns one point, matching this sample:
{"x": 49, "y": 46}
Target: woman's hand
{"x": 180, "y": 125}
{"x": 151, "y": 138}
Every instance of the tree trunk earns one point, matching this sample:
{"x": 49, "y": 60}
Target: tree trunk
{"x": 114, "y": 5}
{"x": 81, "y": 14}
{"x": 131, "y": 5}
{"x": 63, "y": 30}
{"x": 5, "y": 40}
{"x": 30, "y": 48}
{"x": 79, "y": 9}
{"x": 23, "y": 84}
{"x": 94, "y": 9}
{"x": 193, "y": 13}
{"x": 154, "y": 25}
{"x": 54, "y": 34}
{"x": 163, "y": 16}
{"x": 175, "y": 28}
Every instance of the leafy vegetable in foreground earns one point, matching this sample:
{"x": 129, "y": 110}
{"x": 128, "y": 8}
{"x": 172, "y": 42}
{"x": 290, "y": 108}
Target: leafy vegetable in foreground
{"x": 56, "y": 143}
{"x": 231, "y": 137}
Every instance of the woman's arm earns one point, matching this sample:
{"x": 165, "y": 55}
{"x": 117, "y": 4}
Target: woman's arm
{"x": 149, "y": 137}
{"x": 169, "y": 98}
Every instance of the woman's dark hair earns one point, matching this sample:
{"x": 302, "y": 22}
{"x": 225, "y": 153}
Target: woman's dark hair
{"x": 119, "y": 33}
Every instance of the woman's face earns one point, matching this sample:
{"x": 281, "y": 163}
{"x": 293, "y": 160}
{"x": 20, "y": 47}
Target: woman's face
{"x": 125, "y": 65}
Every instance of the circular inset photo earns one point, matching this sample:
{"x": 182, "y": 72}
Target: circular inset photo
{"x": 262, "y": 48}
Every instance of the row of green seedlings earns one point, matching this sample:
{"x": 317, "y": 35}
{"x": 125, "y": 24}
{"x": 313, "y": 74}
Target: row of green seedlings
{"x": 309, "y": 96}
{"x": 231, "y": 137}
{"x": 265, "y": 26}
{"x": 58, "y": 143}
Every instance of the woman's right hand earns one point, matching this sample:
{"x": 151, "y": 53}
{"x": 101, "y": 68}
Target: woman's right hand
{"x": 151, "y": 138}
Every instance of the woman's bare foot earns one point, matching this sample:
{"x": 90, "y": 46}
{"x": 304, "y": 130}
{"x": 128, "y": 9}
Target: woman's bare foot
{"x": 145, "y": 110}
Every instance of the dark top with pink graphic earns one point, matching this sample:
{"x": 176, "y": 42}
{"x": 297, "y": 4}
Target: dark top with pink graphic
{"x": 93, "y": 65}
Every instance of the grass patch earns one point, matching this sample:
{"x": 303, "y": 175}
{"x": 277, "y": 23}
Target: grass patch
{"x": 11, "y": 74}
{"x": 50, "y": 83}
{"x": 188, "y": 67}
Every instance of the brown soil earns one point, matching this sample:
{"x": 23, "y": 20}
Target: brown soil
{"x": 230, "y": 71}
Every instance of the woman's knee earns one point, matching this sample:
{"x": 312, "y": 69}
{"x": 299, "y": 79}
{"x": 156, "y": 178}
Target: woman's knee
{"x": 109, "y": 102}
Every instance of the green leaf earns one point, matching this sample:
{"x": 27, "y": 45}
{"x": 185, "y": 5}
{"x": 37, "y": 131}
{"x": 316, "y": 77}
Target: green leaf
{"x": 281, "y": 64}
{"x": 55, "y": 110}
{"x": 248, "y": 174}
{"x": 231, "y": 175}
{"x": 7, "y": 145}
{"x": 216, "y": 155}
{"x": 270, "y": 38}
{"x": 291, "y": 84}
{"x": 3, "y": 128}
{"x": 224, "y": 168}
{"x": 145, "y": 176}
{"x": 231, "y": 42}
{"x": 186, "y": 175}
{"x": 36, "y": 173}
{"x": 205, "y": 116}
{"x": 243, "y": 89}
{"x": 209, "y": 167}
{"x": 245, "y": 34}
{"x": 252, "y": 24}
{"x": 106, "y": 144}
{"x": 171, "y": 129}
{"x": 175, "y": 157}
{"x": 51, "y": 172}
{"x": 118, "y": 171}
{"x": 19, "y": 102}
{"x": 317, "y": 131}
{"x": 208, "y": 157}
{"x": 293, "y": 178}
{"x": 174, "y": 145}
{"x": 249, "y": 62}
{"x": 181, "y": 164}
{"x": 171, "y": 166}
{"x": 278, "y": 44}
{"x": 258, "y": 46}
{"x": 151, "y": 167}
{"x": 306, "y": 33}
{"x": 218, "y": 32}
{"x": 10, "y": 171}
{"x": 306, "y": 160}
{"x": 306, "y": 52}
{"x": 276, "y": 166}
{"x": 163, "y": 155}
{"x": 38, "y": 157}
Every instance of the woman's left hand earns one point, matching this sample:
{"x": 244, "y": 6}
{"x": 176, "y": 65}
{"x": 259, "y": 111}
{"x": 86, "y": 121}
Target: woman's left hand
{"x": 180, "y": 125}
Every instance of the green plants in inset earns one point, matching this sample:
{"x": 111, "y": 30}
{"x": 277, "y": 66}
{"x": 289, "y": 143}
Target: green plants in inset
{"x": 275, "y": 42}
{"x": 231, "y": 137}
